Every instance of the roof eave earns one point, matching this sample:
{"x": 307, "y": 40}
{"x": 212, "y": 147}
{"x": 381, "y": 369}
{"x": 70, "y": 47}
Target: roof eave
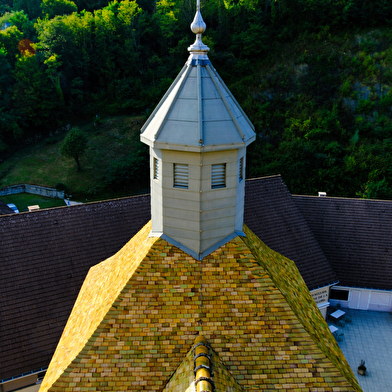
{"x": 196, "y": 148}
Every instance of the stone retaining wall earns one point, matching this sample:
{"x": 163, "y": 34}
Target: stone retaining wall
{"x": 34, "y": 189}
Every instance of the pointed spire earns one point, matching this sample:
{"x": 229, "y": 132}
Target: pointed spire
{"x": 198, "y": 50}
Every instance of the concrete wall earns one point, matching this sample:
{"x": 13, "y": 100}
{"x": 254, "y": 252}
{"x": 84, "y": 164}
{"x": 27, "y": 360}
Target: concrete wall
{"x": 29, "y": 383}
{"x": 34, "y": 189}
{"x": 321, "y": 296}
{"x": 365, "y": 299}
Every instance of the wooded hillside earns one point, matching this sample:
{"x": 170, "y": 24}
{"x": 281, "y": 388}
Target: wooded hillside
{"x": 314, "y": 76}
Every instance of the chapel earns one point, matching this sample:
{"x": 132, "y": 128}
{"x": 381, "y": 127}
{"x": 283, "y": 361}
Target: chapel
{"x": 195, "y": 301}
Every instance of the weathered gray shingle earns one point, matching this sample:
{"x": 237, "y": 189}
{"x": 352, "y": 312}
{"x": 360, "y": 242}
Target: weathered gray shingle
{"x": 272, "y": 215}
{"x": 355, "y": 235}
{"x": 45, "y": 256}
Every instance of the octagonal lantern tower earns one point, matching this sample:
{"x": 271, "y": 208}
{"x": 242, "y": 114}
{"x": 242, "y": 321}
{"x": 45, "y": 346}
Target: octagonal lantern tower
{"x": 198, "y": 136}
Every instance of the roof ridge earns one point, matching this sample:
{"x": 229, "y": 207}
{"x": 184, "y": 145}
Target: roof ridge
{"x": 202, "y": 365}
{"x": 202, "y": 370}
{"x": 344, "y": 198}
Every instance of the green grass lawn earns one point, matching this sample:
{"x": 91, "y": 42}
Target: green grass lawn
{"x": 42, "y": 164}
{"x": 23, "y": 200}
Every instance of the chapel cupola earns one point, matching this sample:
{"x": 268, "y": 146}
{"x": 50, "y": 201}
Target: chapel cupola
{"x": 198, "y": 136}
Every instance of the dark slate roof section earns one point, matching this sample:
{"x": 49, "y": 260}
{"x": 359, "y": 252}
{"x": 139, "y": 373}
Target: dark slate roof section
{"x": 45, "y": 256}
{"x": 355, "y": 235}
{"x": 272, "y": 215}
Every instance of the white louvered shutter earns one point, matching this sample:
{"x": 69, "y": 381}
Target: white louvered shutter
{"x": 180, "y": 175}
{"x": 156, "y": 168}
{"x": 218, "y": 176}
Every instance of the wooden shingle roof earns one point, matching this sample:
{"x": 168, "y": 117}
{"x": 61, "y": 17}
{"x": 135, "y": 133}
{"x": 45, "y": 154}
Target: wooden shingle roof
{"x": 139, "y": 311}
{"x": 355, "y": 235}
{"x": 45, "y": 256}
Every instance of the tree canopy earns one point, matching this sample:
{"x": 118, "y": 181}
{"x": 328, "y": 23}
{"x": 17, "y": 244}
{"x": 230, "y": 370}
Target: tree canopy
{"x": 314, "y": 77}
{"x": 74, "y": 145}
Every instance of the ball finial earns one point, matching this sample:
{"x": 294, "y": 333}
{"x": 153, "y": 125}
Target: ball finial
{"x": 198, "y": 49}
{"x": 198, "y": 26}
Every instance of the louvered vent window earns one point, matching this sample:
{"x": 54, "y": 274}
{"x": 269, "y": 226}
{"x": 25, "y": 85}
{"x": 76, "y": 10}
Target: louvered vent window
{"x": 156, "y": 168}
{"x": 180, "y": 175}
{"x": 218, "y": 176}
{"x": 241, "y": 169}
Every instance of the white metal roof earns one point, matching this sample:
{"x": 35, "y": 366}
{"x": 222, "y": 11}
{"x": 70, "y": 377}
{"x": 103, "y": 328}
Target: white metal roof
{"x": 198, "y": 113}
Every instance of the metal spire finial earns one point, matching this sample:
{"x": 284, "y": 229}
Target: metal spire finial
{"x": 198, "y": 49}
{"x": 198, "y": 26}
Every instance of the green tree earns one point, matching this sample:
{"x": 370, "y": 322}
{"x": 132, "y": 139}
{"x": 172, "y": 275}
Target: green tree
{"x": 9, "y": 40}
{"x": 6, "y": 6}
{"x": 53, "y": 63}
{"x": 69, "y": 38}
{"x": 376, "y": 190}
{"x": 9, "y": 131}
{"x": 58, "y": 7}
{"x": 20, "y": 20}
{"x": 34, "y": 98}
{"x": 31, "y": 7}
{"x": 5, "y": 73}
{"x": 74, "y": 145}
{"x": 90, "y": 5}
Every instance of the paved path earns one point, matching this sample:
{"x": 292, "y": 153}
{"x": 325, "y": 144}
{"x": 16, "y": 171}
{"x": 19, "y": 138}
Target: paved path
{"x": 369, "y": 337}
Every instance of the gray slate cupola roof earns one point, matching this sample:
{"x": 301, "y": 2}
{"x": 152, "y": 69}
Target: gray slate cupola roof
{"x": 198, "y": 113}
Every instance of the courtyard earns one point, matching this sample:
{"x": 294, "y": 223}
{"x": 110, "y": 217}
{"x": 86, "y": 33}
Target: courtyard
{"x": 369, "y": 337}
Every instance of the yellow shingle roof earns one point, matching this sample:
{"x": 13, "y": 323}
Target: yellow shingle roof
{"x": 138, "y": 313}
{"x": 96, "y": 297}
